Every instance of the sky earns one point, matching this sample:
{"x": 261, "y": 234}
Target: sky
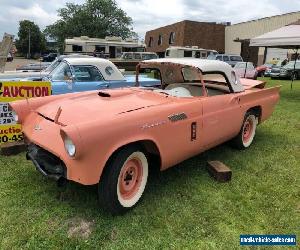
{"x": 149, "y": 14}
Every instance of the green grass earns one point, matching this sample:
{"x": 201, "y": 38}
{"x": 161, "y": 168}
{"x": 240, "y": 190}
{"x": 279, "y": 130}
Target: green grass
{"x": 183, "y": 207}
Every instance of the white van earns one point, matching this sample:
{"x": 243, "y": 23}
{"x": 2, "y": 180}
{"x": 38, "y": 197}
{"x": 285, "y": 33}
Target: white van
{"x": 194, "y": 51}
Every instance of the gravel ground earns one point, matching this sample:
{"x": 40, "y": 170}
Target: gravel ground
{"x": 18, "y": 62}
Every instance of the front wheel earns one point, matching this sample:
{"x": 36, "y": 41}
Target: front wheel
{"x": 246, "y": 135}
{"x": 124, "y": 180}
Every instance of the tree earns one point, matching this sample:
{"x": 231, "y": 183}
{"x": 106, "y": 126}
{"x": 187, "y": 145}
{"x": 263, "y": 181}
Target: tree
{"x": 29, "y": 30}
{"x": 94, "y": 18}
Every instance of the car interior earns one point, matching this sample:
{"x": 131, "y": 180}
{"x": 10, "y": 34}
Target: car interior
{"x": 189, "y": 83}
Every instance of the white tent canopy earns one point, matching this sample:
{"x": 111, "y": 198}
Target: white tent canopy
{"x": 287, "y": 37}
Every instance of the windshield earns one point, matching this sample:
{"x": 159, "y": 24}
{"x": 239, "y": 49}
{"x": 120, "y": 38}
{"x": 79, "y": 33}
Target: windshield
{"x": 149, "y": 56}
{"x": 211, "y": 57}
{"x": 291, "y": 65}
{"x": 236, "y": 58}
{"x": 52, "y": 66}
{"x": 61, "y": 73}
{"x": 242, "y": 65}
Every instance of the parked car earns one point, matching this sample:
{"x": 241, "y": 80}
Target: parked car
{"x": 112, "y": 137}
{"x": 230, "y": 59}
{"x": 33, "y": 67}
{"x": 241, "y": 71}
{"x": 275, "y": 71}
{"x": 188, "y": 51}
{"x": 287, "y": 71}
{"x": 261, "y": 70}
{"x": 49, "y": 57}
{"x": 10, "y": 57}
{"x": 90, "y": 73}
{"x": 139, "y": 56}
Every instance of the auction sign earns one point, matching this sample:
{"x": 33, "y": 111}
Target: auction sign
{"x": 10, "y": 131}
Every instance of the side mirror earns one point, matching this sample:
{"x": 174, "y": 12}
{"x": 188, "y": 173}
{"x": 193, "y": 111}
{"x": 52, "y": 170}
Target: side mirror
{"x": 70, "y": 79}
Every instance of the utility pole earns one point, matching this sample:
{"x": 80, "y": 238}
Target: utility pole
{"x": 29, "y": 44}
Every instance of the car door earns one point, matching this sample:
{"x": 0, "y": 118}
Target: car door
{"x": 61, "y": 79}
{"x": 222, "y": 117}
{"x": 87, "y": 77}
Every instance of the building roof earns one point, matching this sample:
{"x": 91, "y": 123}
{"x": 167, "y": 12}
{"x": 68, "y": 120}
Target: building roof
{"x": 264, "y": 18}
{"x": 189, "y": 21}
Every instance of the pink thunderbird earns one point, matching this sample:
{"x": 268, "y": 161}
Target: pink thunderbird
{"x": 112, "y": 137}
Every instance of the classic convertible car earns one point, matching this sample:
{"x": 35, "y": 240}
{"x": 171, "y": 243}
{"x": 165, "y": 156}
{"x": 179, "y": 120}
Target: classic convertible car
{"x": 77, "y": 73}
{"x": 83, "y": 74}
{"x": 112, "y": 137}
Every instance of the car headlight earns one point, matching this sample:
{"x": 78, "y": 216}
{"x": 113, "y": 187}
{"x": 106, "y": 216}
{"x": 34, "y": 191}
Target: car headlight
{"x": 70, "y": 146}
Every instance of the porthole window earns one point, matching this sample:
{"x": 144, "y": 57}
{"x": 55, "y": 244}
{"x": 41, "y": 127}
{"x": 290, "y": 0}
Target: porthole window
{"x": 109, "y": 70}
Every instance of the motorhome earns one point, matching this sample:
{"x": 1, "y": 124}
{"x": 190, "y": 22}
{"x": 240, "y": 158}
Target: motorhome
{"x": 193, "y": 51}
{"x": 109, "y": 47}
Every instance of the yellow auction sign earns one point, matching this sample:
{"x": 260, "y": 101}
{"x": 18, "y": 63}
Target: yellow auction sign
{"x": 12, "y": 91}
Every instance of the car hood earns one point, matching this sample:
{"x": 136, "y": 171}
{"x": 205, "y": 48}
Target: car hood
{"x": 94, "y": 105}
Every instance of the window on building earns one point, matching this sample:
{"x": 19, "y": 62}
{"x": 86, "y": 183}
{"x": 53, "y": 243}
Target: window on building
{"x": 76, "y": 48}
{"x": 159, "y": 40}
{"x": 188, "y": 53}
{"x": 172, "y": 38}
{"x": 150, "y": 42}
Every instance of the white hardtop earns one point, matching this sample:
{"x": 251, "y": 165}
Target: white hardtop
{"x": 206, "y": 66}
{"x": 101, "y": 64}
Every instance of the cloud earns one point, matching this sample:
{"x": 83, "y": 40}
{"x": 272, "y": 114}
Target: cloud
{"x": 147, "y": 14}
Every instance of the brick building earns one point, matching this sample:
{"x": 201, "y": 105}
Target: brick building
{"x": 186, "y": 33}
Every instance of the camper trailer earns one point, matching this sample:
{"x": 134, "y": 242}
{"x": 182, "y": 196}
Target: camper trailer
{"x": 109, "y": 47}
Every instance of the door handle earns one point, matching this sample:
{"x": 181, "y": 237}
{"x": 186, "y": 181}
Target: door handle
{"x": 103, "y": 85}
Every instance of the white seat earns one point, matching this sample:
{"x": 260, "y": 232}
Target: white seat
{"x": 179, "y": 92}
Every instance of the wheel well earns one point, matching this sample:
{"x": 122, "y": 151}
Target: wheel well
{"x": 149, "y": 147}
{"x": 257, "y": 111}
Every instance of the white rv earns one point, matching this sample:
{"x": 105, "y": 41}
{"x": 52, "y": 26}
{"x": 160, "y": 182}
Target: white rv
{"x": 194, "y": 51}
{"x": 110, "y": 47}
